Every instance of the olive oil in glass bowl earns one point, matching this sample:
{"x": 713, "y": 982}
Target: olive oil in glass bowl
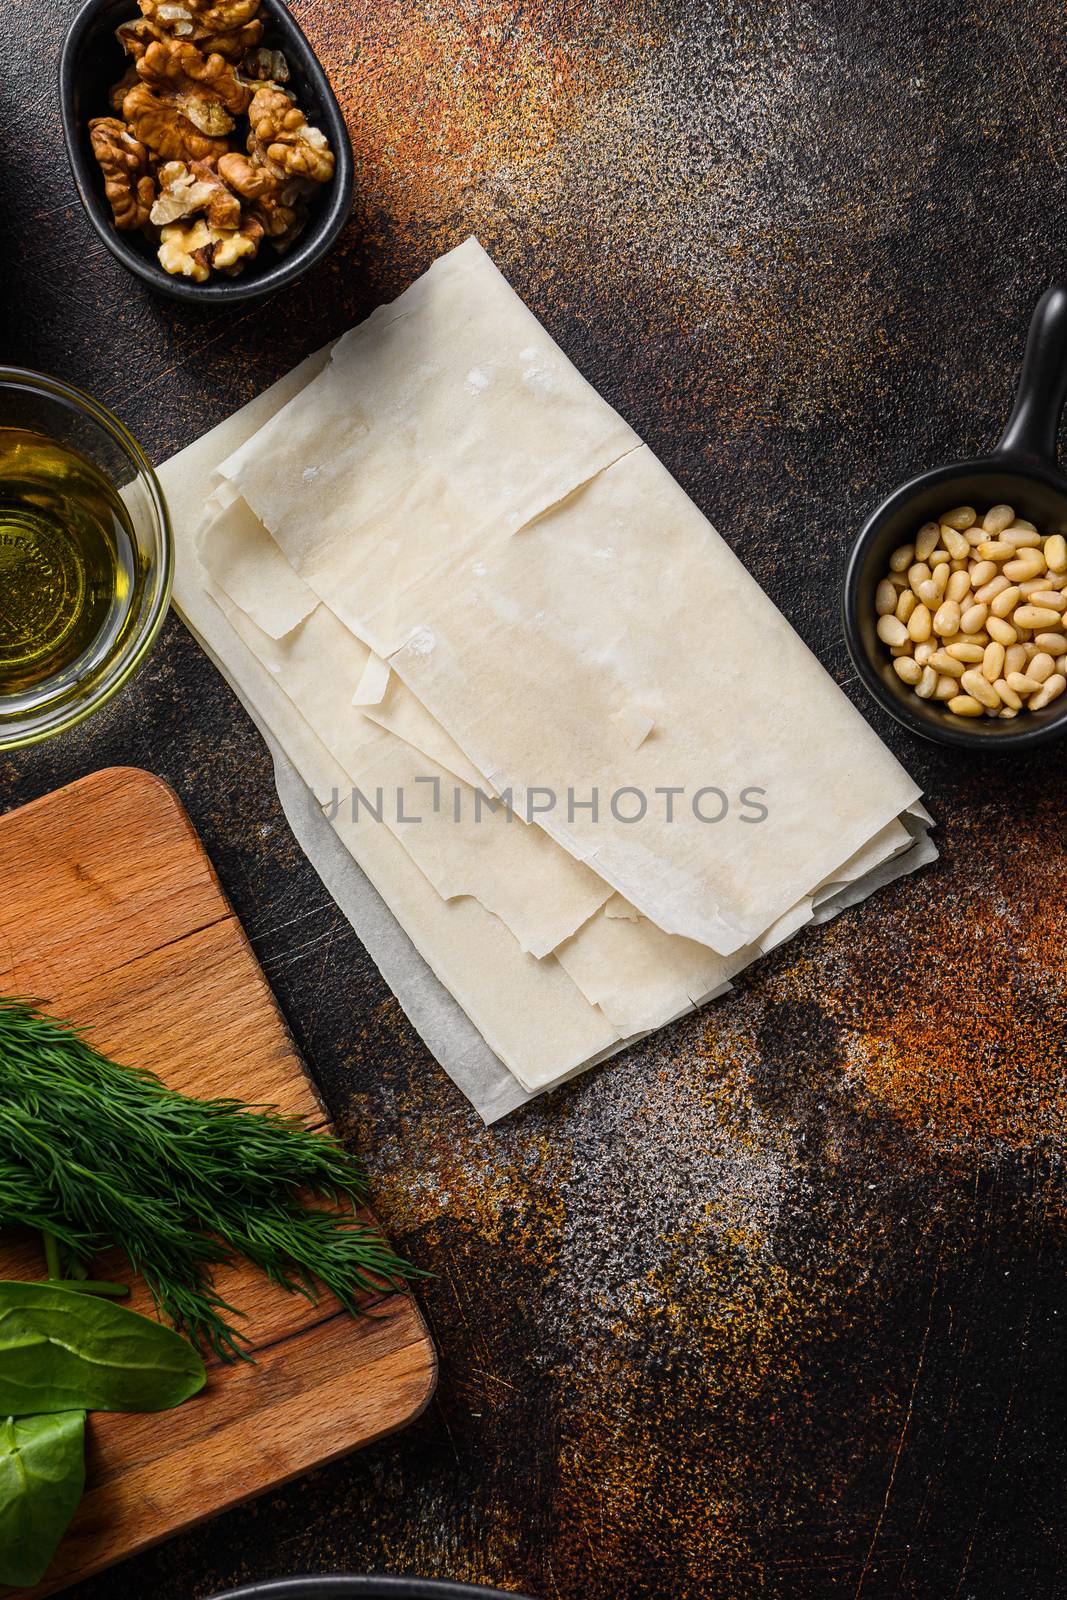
{"x": 85, "y": 557}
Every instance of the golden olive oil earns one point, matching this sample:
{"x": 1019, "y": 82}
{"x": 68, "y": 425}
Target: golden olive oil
{"x": 68, "y": 569}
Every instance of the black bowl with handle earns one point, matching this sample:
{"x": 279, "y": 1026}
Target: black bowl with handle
{"x": 92, "y": 61}
{"x": 1022, "y": 471}
{"x": 339, "y": 1587}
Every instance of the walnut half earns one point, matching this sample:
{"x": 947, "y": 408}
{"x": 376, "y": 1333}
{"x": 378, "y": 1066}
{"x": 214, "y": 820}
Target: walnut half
{"x": 204, "y": 88}
{"x": 195, "y": 249}
{"x": 279, "y": 205}
{"x": 283, "y": 138}
{"x": 128, "y": 184}
{"x": 185, "y": 191}
{"x": 158, "y": 123}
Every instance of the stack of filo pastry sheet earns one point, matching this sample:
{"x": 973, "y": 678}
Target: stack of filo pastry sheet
{"x": 587, "y": 765}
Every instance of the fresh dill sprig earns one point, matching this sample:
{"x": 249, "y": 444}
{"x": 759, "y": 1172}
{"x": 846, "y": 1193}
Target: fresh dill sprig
{"x": 98, "y": 1155}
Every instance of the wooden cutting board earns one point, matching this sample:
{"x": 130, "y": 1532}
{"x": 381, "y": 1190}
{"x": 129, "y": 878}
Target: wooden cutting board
{"x": 111, "y": 915}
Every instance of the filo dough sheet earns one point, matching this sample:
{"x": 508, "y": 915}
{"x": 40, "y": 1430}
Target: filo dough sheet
{"x": 463, "y": 502}
{"x": 472, "y": 653}
{"x": 639, "y": 976}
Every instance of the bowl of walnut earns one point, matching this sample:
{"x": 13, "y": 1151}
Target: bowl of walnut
{"x": 206, "y": 144}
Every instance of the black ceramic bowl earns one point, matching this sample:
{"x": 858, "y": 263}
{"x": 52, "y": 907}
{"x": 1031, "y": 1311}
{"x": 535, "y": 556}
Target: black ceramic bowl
{"x": 370, "y": 1588}
{"x": 1022, "y": 471}
{"x": 92, "y": 61}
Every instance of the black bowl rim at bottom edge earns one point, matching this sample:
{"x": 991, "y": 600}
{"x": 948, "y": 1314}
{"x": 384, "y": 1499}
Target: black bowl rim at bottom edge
{"x": 327, "y": 221}
{"x": 341, "y": 1586}
{"x": 987, "y": 741}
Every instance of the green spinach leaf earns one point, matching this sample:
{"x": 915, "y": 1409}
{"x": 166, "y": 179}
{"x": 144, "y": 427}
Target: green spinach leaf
{"x": 64, "y": 1351}
{"x": 42, "y": 1475}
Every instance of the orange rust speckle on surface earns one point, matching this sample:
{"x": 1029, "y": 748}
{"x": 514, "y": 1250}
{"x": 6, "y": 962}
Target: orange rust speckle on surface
{"x": 951, "y": 1008}
{"x": 440, "y": 96}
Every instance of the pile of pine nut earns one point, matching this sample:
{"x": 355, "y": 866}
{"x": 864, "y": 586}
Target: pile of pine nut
{"x": 974, "y": 613}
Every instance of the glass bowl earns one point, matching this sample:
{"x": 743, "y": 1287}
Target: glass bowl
{"x": 32, "y": 403}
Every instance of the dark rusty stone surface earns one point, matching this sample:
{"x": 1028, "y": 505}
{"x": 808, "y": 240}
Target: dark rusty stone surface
{"x": 775, "y": 1305}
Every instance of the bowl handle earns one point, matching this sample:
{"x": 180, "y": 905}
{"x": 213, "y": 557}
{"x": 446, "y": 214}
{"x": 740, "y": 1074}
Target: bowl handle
{"x": 1034, "y": 424}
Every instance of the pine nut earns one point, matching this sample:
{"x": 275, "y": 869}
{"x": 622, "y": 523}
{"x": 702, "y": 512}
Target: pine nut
{"x": 960, "y": 517}
{"x": 920, "y": 624}
{"x": 1050, "y": 690}
{"x": 1001, "y": 631}
{"x": 1061, "y": 664}
{"x": 1041, "y": 666}
{"x": 926, "y": 684}
{"x": 927, "y": 539}
{"x": 947, "y": 619}
{"x": 947, "y": 688}
{"x": 956, "y": 543}
{"x": 929, "y": 591}
{"x": 907, "y": 669}
{"x": 923, "y": 652}
{"x": 1051, "y": 599}
{"x": 997, "y": 519}
{"x": 906, "y": 604}
{"x": 1022, "y": 683}
{"x": 1007, "y": 714}
{"x": 979, "y": 688}
{"x": 1032, "y": 616}
{"x": 918, "y": 573}
{"x": 959, "y": 585}
{"x": 994, "y": 550}
{"x": 1014, "y": 659}
{"x": 964, "y": 650}
{"x": 963, "y": 706}
{"x": 891, "y": 630}
{"x": 1028, "y": 565}
{"x": 1006, "y": 600}
{"x": 975, "y": 536}
{"x": 993, "y": 662}
{"x": 902, "y": 558}
{"x": 1054, "y": 643}
{"x": 938, "y": 558}
{"x": 1031, "y": 586}
{"x": 989, "y": 591}
{"x": 947, "y": 665}
{"x": 1021, "y": 538}
{"x": 973, "y": 619}
{"x": 981, "y": 573}
{"x": 1008, "y": 695}
{"x": 1056, "y": 553}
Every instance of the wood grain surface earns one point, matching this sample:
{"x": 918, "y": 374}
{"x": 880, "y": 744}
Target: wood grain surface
{"x": 112, "y": 916}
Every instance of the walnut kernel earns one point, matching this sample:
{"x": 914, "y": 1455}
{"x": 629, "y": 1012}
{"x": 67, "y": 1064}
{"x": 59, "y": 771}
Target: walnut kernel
{"x": 205, "y": 88}
{"x": 193, "y": 249}
{"x": 128, "y": 184}
{"x": 158, "y": 123}
{"x": 184, "y": 191}
{"x": 282, "y": 137}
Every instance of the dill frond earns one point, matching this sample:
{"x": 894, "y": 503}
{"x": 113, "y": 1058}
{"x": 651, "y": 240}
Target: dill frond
{"x": 101, "y": 1155}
